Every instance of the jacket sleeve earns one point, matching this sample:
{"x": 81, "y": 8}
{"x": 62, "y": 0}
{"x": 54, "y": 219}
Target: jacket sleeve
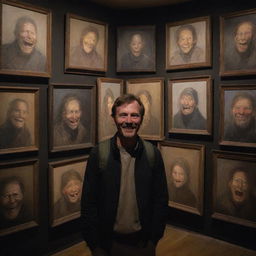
{"x": 160, "y": 199}
{"x": 89, "y": 207}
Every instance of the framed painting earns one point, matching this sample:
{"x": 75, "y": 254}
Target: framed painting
{"x": 234, "y": 188}
{"x": 19, "y": 129}
{"x": 151, "y": 93}
{"x": 237, "y": 43}
{"x": 190, "y": 105}
{"x": 86, "y": 45}
{"x": 184, "y": 166}
{"x": 66, "y": 183}
{"x": 72, "y": 116}
{"x": 108, "y": 90}
{"x": 188, "y": 44}
{"x": 238, "y": 115}
{"x": 18, "y": 196}
{"x": 25, "y": 40}
{"x": 136, "y": 49}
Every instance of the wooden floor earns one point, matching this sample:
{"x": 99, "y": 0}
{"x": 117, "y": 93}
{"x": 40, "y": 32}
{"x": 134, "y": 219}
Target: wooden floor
{"x": 177, "y": 242}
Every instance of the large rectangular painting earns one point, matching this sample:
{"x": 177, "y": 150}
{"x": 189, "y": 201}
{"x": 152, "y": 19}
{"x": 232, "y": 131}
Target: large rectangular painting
{"x": 108, "y": 90}
{"x": 18, "y": 196}
{"x": 72, "y": 111}
{"x": 66, "y": 183}
{"x": 234, "y": 188}
{"x": 184, "y": 167}
{"x": 151, "y": 93}
{"x": 25, "y": 39}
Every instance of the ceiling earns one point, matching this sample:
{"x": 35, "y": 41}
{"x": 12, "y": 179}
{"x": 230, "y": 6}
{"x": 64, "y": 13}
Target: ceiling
{"x": 133, "y": 4}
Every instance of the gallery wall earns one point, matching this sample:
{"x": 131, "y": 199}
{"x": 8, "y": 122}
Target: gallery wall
{"x": 44, "y": 238}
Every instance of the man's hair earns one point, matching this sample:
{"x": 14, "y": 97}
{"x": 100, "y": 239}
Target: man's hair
{"x": 186, "y": 27}
{"x": 243, "y": 95}
{"x": 11, "y": 180}
{"x": 21, "y": 21}
{"x": 145, "y": 93}
{"x": 14, "y": 103}
{"x": 127, "y": 99}
{"x": 183, "y": 163}
{"x": 243, "y": 22}
{"x": 68, "y": 176}
{"x": 87, "y": 30}
{"x": 191, "y": 92}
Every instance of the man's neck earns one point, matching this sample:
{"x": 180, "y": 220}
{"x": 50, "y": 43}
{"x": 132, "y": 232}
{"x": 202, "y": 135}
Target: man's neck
{"x": 128, "y": 144}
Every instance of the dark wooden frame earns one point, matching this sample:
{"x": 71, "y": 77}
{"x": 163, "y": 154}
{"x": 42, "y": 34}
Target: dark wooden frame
{"x": 69, "y": 68}
{"x": 34, "y": 220}
{"x": 48, "y": 54}
{"x": 208, "y": 98}
{"x": 52, "y": 168}
{"x": 200, "y": 179}
{"x": 144, "y": 82}
{"x": 101, "y": 82}
{"x": 25, "y": 90}
{"x": 91, "y": 108}
{"x": 208, "y": 44}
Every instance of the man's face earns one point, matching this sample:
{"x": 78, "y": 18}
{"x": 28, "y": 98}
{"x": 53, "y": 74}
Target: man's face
{"x": 136, "y": 45}
{"x": 186, "y": 41}
{"x": 128, "y": 119}
{"x": 72, "y": 114}
{"x": 179, "y": 176}
{"x": 72, "y": 191}
{"x": 243, "y": 37}
{"x": 242, "y": 112}
{"x": 11, "y": 200}
{"x": 187, "y": 104}
{"x": 27, "y": 38}
{"x": 239, "y": 187}
{"x": 19, "y": 114}
{"x": 89, "y": 42}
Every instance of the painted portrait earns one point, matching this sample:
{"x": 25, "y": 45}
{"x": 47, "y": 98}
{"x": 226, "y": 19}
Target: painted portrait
{"x": 238, "y": 39}
{"x": 18, "y": 119}
{"x": 150, "y": 92}
{"x": 86, "y": 45}
{"x": 190, "y": 106}
{"x": 188, "y": 44}
{"x": 234, "y": 188}
{"x": 108, "y": 90}
{"x": 136, "y": 49}
{"x": 184, "y": 167}
{"x": 238, "y": 116}
{"x": 25, "y": 40}
{"x": 18, "y": 198}
{"x": 66, "y": 183}
{"x": 72, "y": 116}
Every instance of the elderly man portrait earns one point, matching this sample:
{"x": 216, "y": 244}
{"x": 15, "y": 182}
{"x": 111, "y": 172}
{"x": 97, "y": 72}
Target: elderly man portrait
{"x": 242, "y": 55}
{"x": 188, "y": 51}
{"x": 68, "y": 128}
{"x": 22, "y": 53}
{"x": 189, "y": 115}
{"x": 136, "y": 58}
{"x": 14, "y": 131}
{"x": 241, "y": 125}
{"x": 85, "y": 54}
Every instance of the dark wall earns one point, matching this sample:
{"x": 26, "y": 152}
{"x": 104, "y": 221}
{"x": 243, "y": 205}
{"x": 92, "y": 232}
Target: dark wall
{"x": 44, "y": 239}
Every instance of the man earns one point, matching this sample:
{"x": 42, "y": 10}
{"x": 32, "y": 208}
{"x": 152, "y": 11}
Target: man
{"x": 243, "y": 54}
{"x": 22, "y": 53}
{"x": 85, "y": 54}
{"x": 71, "y": 190}
{"x": 124, "y": 202}
{"x": 68, "y": 129}
{"x": 237, "y": 200}
{"x": 242, "y": 126}
{"x": 189, "y": 116}
{"x": 188, "y": 52}
{"x": 13, "y": 210}
{"x": 135, "y": 58}
{"x": 14, "y": 131}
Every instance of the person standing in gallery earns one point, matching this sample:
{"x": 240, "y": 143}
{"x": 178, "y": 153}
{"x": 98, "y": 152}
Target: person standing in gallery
{"x": 125, "y": 199}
